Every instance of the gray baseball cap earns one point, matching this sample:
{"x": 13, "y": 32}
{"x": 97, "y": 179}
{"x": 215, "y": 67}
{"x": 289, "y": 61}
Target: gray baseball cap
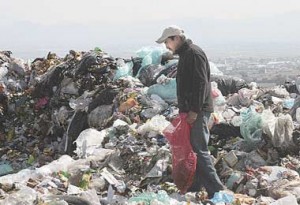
{"x": 168, "y": 32}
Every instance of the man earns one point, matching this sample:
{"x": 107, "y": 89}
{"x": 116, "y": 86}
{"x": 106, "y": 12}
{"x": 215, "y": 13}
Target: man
{"x": 194, "y": 98}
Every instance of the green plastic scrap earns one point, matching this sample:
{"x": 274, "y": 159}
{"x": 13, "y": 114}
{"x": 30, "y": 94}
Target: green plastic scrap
{"x": 148, "y": 198}
{"x": 30, "y": 160}
{"x": 251, "y": 127}
{"x": 97, "y": 49}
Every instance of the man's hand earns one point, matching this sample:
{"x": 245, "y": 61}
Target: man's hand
{"x": 191, "y": 117}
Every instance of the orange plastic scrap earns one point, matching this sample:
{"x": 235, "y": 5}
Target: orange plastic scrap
{"x": 129, "y": 103}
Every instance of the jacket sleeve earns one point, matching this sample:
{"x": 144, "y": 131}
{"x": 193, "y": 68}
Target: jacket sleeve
{"x": 199, "y": 82}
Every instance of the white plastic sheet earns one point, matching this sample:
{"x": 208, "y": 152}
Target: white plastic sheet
{"x": 88, "y": 140}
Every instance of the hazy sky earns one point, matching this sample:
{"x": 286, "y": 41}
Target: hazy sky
{"x": 127, "y": 24}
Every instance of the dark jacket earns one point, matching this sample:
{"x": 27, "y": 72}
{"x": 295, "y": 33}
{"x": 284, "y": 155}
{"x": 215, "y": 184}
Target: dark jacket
{"x": 193, "y": 79}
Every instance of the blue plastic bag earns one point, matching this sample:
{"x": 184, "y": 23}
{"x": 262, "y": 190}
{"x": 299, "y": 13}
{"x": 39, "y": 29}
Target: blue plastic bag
{"x": 123, "y": 70}
{"x": 151, "y": 55}
{"x": 288, "y": 103}
{"x": 166, "y": 91}
{"x": 221, "y": 197}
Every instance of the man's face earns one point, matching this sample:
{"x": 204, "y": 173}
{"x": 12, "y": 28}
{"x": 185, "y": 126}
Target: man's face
{"x": 172, "y": 44}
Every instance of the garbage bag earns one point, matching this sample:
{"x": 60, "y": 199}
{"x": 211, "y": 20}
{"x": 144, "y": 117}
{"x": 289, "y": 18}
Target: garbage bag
{"x": 228, "y": 84}
{"x": 291, "y": 87}
{"x": 18, "y": 66}
{"x": 49, "y": 81}
{"x": 170, "y": 71}
{"x": 184, "y": 160}
{"x": 137, "y": 64}
{"x": 90, "y": 61}
{"x": 88, "y": 140}
{"x": 77, "y": 124}
{"x": 288, "y": 103}
{"x": 283, "y": 133}
{"x": 166, "y": 91}
{"x": 123, "y": 69}
{"x": 251, "y": 127}
{"x": 218, "y": 98}
{"x": 151, "y": 55}
{"x": 99, "y": 115}
{"x": 147, "y": 74}
{"x": 246, "y": 96}
{"x": 155, "y": 105}
{"x": 225, "y": 130}
{"x": 268, "y": 123}
{"x": 222, "y": 197}
{"x": 156, "y": 124}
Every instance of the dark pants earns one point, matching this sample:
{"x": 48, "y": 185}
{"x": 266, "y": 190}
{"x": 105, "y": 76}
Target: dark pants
{"x": 205, "y": 175}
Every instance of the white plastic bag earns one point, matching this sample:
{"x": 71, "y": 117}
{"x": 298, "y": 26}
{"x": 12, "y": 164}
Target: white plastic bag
{"x": 268, "y": 123}
{"x": 157, "y": 124}
{"x": 88, "y": 140}
{"x": 283, "y": 132}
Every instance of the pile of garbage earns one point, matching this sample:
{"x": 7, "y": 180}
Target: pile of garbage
{"x": 88, "y": 129}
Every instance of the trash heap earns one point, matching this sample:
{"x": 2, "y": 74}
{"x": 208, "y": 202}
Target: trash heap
{"x": 87, "y": 129}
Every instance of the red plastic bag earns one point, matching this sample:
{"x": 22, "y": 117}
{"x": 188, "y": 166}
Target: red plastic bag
{"x": 184, "y": 159}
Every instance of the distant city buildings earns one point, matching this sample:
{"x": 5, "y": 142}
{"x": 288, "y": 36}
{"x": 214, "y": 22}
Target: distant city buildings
{"x": 264, "y": 71}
